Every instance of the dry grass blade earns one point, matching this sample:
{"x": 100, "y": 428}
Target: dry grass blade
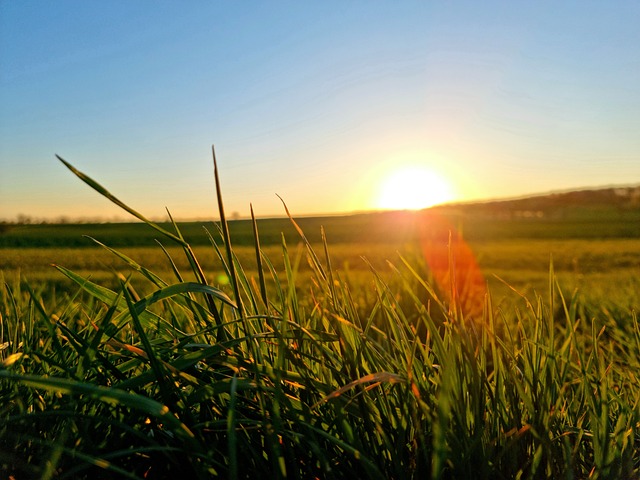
{"x": 379, "y": 377}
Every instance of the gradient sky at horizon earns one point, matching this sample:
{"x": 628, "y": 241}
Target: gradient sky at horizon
{"x": 317, "y": 102}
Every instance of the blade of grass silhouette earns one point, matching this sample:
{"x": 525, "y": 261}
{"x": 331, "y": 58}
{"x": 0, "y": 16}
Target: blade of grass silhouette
{"x": 312, "y": 253}
{"x": 152, "y": 277}
{"x": 156, "y": 365}
{"x": 105, "y": 193}
{"x": 226, "y": 236}
{"x": 176, "y": 238}
{"x": 106, "y": 394}
{"x": 256, "y": 237}
{"x": 227, "y": 241}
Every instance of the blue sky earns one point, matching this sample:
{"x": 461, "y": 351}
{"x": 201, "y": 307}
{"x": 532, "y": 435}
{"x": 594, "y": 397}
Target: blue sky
{"x": 318, "y": 102}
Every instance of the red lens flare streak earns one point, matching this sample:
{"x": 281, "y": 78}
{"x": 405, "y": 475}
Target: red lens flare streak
{"x": 453, "y": 265}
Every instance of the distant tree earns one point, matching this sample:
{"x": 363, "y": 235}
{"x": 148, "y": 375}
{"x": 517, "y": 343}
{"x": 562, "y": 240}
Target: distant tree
{"x": 23, "y": 219}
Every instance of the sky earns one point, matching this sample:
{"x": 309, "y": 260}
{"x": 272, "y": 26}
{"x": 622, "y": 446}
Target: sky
{"x": 321, "y": 103}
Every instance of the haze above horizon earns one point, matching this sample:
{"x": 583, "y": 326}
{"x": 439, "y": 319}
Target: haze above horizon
{"x": 336, "y": 107}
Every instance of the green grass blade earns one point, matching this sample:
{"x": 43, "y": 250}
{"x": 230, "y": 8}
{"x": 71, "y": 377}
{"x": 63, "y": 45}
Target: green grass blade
{"x": 132, "y": 263}
{"x": 231, "y": 431}
{"x": 109, "y": 395}
{"x": 256, "y": 243}
{"x": 105, "y": 193}
{"x": 227, "y": 238}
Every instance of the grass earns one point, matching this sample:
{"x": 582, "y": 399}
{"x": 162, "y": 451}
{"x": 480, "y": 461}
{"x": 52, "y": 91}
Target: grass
{"x": 295, "y": 370}
{"x": 603, "y": 270}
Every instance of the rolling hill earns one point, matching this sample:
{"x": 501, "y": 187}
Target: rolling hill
{"x": 594, "y": 213}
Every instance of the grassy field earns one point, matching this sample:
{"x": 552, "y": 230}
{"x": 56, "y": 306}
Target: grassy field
{"x": 600, "y": 268}
{"x": 297, "y": 358}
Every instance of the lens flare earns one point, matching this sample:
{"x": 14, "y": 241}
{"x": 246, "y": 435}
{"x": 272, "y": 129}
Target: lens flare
{"x": 453, "y": 266}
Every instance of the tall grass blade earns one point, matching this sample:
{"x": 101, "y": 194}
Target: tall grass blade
{"x": 227, "y": 239}
{"x": 105, "y": 193}
{"x": 256, "y": 242}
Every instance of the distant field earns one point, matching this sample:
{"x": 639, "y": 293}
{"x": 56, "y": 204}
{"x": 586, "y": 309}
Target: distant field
{"x": 601, "y": 257}
{"x": 371, "y": 228}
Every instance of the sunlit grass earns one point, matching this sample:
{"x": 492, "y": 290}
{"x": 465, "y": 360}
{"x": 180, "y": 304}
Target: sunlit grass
{"x": 304, "y": 372}
{"x": 604, "y": 269}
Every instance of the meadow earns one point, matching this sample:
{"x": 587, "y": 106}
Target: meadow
{"x": 510, "y": 254}
{"x": 321, "y": 348}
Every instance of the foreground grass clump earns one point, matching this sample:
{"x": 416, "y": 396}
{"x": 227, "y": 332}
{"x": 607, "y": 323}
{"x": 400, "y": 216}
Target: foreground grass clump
{"x": 310, "y": 380}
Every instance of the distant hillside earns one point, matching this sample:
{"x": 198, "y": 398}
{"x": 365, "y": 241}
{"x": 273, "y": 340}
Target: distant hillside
{"x": 601, "y": 213}
{"x": 563, "y": 205}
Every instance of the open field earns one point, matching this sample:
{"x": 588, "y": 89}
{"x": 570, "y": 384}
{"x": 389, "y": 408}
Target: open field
{"x": 595, "y": 267}
{"x": 592, "y": 260}
{"x": 300, "y": 359}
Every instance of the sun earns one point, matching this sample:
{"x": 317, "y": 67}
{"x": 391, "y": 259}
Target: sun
{"x": 413, "y": 188}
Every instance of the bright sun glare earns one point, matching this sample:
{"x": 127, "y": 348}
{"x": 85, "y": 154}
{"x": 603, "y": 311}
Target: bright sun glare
{"x": 413, "y": 188}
